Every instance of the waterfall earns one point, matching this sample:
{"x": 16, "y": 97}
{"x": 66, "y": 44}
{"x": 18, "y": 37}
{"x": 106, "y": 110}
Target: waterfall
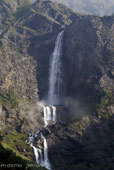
{"x": 45, "y": 117}
{"x": 54, "y": 114}
{"x": 49, "y": 112}
{"x": 55, "y": 72}
{"x": 36, "y": 153}
{"x": 46, "y": 160}
{"x": 53, "y": 97}
{"x": 40, "y": 159}
{"x": 49, "y": 115}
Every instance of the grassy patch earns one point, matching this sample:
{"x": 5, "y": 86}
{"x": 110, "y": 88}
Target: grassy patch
{"x": 42, "y": 14}
{"x": 63, "y": 11}
{"x": 12, "y": 146}
{"x": 9, "y": 100}
{"x": 13, "y": 140}
{"x": 28, "y": 29}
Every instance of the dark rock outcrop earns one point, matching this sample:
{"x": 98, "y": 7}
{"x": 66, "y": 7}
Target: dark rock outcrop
{"x": 85, "y": 144}
{"x": 88, "y": 57}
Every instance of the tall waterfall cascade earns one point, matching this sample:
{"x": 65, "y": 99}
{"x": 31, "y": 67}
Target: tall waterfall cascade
{"x": 46, "y": 159}
{"x": 49, "y": 115}
{"x": 41, "y": 156}
{"x": 53, "y": 98}
{"x": 55, "y": 79}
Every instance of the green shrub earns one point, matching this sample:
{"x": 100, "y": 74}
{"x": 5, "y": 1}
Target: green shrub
{"x": 106, "y": 99}
{"x": 9, "y": 100}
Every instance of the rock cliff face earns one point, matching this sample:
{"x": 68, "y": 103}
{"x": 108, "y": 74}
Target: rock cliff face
{"x": 89, "y": 57}
{"x": 27, "y": 40}
{"x": 88, "y": 78}
{"x": 85, "y": 144}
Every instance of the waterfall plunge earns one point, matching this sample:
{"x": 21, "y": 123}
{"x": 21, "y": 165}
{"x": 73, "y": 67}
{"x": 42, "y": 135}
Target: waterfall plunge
{"x": 55, "y": 72}
{"x": 53, "y": 99}
{"x": 46, "y": 159}
{"x": 36, "y": 153}
{"x": 54, "y": 91}
{"x": 49, "y": 115}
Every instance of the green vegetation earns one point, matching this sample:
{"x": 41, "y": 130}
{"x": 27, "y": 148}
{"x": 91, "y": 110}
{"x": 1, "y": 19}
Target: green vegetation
{"x": 64, "y": 11}
{"x": 11, "y": 17}
{"x": 14, "y": 141}
{"x": 9, "y": 100}
{"x": 106, "y": 99}
{"x": 24, "y": 3}
{"x": 29, "y": 29}
{"x": 9, "y": 21}
{"x": 10, "y": 144}
{"x": 42, "y": 14}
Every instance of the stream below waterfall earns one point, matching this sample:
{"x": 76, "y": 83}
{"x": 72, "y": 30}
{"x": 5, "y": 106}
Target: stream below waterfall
{"x": 53, "y": 98}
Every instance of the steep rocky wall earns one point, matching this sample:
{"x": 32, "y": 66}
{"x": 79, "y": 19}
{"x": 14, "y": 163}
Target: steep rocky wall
{"x": 26, "y": 43}
{"x": 85, "y": 144}
{"x": 88, "y": 57}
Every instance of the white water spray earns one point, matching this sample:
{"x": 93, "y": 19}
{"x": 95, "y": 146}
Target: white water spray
{"x": 49, "y": 115}
{"x": 36, "y": 153}
{"x": 40, "y": 159}
{"x": 45, "y": 117}
{"x": 46, "y": 159}
{"x": 54, "y": 114}
{"x": 55, "y": 72}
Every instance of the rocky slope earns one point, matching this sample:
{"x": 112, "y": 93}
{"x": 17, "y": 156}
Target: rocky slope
{"x": 27, "y": 39}
{"x": 27, "y": 34}
{"x": 89, "y": 57}
{"x": 85, "y": 144}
